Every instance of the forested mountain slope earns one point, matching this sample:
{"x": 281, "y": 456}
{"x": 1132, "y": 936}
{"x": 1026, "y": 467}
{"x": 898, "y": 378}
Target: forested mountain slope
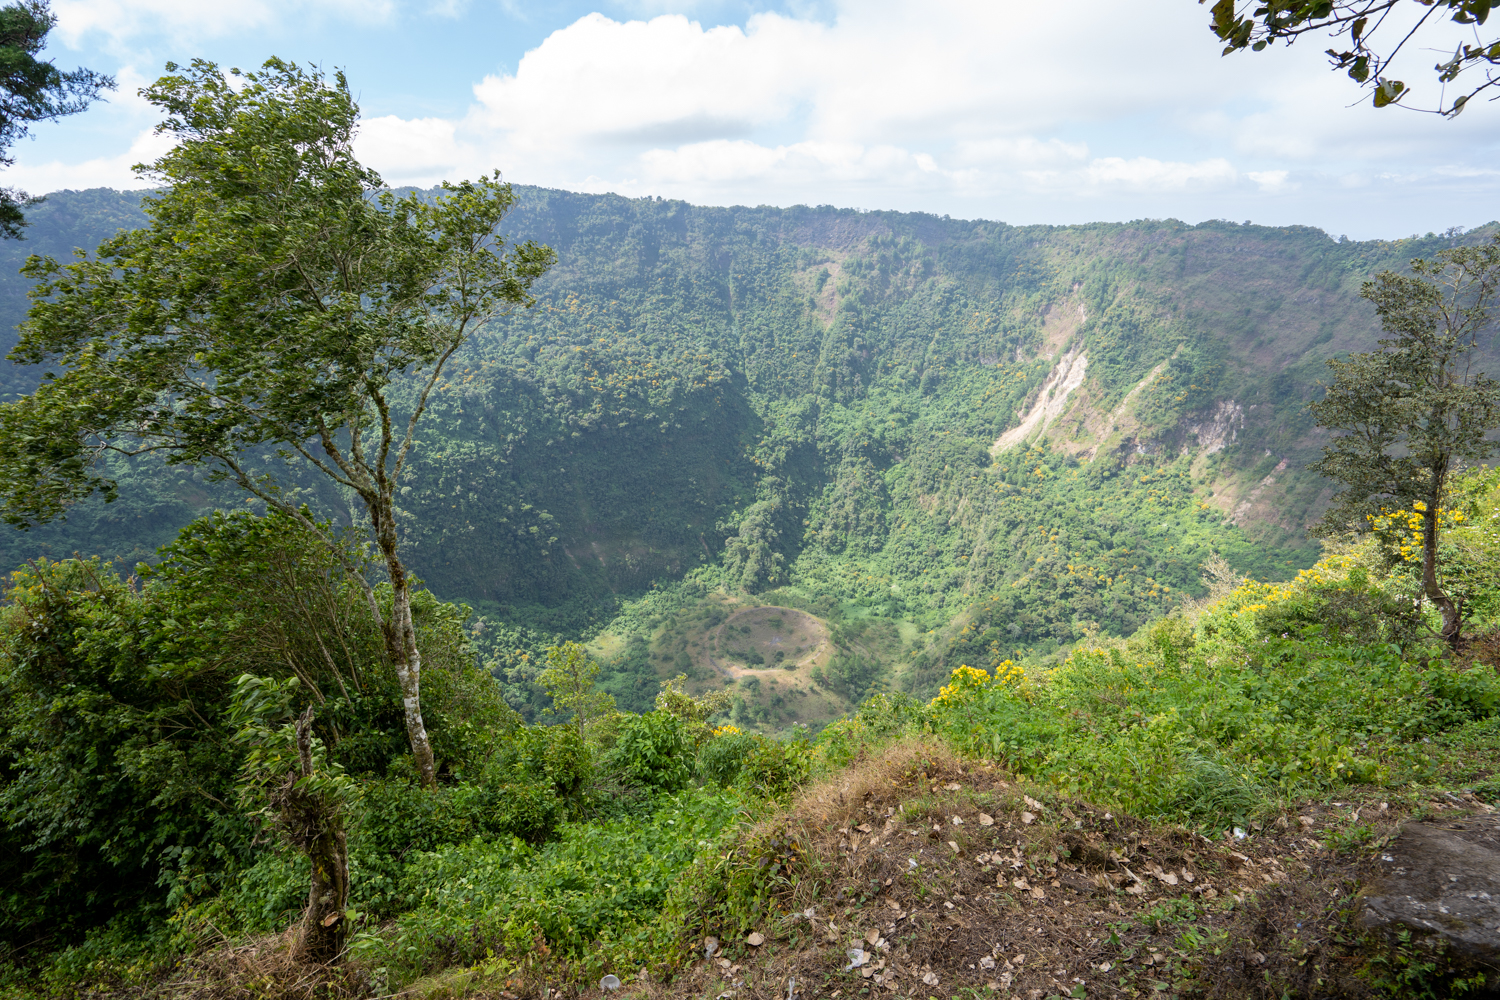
{"x": 816, "y": 402}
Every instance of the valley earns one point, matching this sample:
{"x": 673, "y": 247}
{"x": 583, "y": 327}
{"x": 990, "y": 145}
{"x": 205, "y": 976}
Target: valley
{"x": 1029, "y": 433}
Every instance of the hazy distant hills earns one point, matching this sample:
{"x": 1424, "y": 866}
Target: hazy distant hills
{"x": 812, "y": 398}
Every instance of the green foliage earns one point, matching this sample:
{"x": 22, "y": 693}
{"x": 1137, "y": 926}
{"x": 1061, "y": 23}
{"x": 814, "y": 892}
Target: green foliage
{"x": 570, "y": 679}
{"x": 752, "y": 558}
{"x": 849, "y": 675}
{"x": 115, "y": 758}
{"x": 118, "y": 764}
{"x": 654, "y": 751}
{"x": 721, "y": 758}
{"x": 677, "y": 392}
{"x": 272, "y": 303}
{"x": 1213, "y": 726}
{"x": 596, "y": 890}
{"x": 1367, "y": 51}
{"x": 775, "y": 768}
{"x": 1415, "y": 411}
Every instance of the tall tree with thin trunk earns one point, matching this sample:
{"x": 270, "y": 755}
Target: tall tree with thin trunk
{"x": 1412, "y": 413}
{"x": 279, "y": 296}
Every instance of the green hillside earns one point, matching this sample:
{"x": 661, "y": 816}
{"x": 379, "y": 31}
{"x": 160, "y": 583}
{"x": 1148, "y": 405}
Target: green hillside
{"x": 807, "y": 408}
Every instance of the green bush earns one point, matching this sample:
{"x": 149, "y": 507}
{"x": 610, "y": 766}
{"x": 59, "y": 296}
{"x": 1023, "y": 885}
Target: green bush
{"x": 1210, "y": 732}
{"x": 654, "y": 751}
{"x": 774, "y": 769}
{"x": 598, "y": 886}
{"x": 720, "y": 759}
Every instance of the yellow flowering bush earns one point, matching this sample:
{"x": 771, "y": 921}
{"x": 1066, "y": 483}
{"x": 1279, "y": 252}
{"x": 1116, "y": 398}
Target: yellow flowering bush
{"x": 726, "y": 730}
{"x": 1400, "y": 531}
{"x": 963, "y": 684}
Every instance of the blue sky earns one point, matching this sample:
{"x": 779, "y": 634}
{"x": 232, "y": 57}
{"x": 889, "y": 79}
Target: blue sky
{"x": 1021, "y": 112}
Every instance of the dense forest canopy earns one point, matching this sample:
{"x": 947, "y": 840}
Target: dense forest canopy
{"x": 809, "y": 398}
{"x": 752, "y": 499}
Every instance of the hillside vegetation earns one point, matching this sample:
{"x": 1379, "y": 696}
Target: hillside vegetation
{"x": 1132, "y": 816}
{"x": 939, "y": 438}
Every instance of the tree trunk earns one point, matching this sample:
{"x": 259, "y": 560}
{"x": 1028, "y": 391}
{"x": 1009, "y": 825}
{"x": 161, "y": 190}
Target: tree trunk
{"x": 402, "y": 641}
{"x": 401, "y": 645}
{"x": 321, "y": 937}
{"x": 1451, "y": 620}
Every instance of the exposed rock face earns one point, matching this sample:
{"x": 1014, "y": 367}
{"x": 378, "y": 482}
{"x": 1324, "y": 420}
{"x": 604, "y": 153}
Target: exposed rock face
{"x": 1444, "y": 880}
{"x": 1221, "y": 428}
{"x": 1067, "y": 376}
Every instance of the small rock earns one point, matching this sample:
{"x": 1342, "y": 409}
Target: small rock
{"x": 1257, "y": 958}
{"x": 1028, "y": 818}
{"x": 953, "y": 786}
{"x": 872, "y": 936}
{"x": 1306, "y": 821}
{"x": 930, "y": 978}
{"x": 1033, "y": 803}
{"x": 863, "y": 828}
{"x": 710, "y": 945}
{"x": 958, "y": 821}
{"x": 953, "y": 844}
{"x": 1105, "y": 967}
{"x": 857, "y": 957}
{"x": 986, "y": 963}
{"x": 985, "y": 819}
{"x": 755, "y": 940}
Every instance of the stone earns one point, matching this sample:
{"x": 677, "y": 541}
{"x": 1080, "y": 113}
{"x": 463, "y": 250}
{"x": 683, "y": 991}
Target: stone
{"x": 755, "y": 940}
{"x": 1441, "y": 879}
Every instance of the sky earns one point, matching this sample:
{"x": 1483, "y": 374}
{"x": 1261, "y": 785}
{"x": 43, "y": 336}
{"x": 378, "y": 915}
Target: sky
{"x": 1018, "y": 112}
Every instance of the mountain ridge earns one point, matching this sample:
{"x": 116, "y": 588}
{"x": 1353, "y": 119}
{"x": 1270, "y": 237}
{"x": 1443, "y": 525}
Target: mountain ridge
{"x": 811, "y": 401}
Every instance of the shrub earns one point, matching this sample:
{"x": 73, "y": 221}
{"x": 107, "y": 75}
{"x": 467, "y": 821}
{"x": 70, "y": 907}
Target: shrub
{"x": 774, "y": 769}
{"x": 720, "y": 759}
{"x": 654, "y": 751}
{"x": 598, "y": 887}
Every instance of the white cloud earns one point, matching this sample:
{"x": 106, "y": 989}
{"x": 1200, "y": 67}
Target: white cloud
{"x": 105, "y": 171}
{"x": 1270, "y": 181}
{"x": 1004, "y": 109}
{"x": 1143, "y": 172}
{"x": 667, "y": 80}
{"x": 407, "y": 149}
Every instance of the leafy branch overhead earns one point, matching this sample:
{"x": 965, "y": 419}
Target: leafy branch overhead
{"x": 1369, "y": 37}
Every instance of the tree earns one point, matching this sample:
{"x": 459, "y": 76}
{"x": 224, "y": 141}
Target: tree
{"x": 32, "y": 90}
{"x": 1371, "y": 35}
{"x": 1413, "y": 412}
{"x": 295, "y": 792}
{"x": 281, "y": 298}
{"x": 751, "y": 561}
{"x": 569, "y": 681}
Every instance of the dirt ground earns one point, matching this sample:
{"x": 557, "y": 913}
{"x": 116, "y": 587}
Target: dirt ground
{"x": 923, "y": 876}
